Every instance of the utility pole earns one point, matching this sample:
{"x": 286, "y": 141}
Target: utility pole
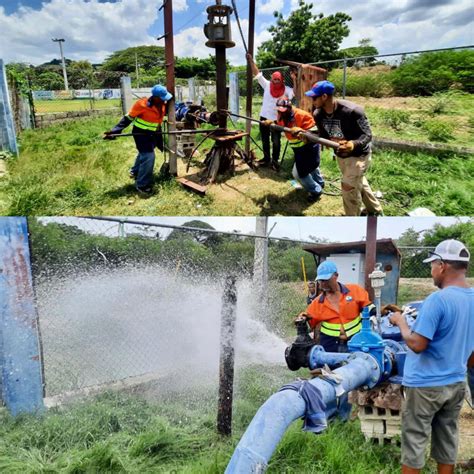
{"x": 169, "y": 59}
{"x": 61, "y": 41}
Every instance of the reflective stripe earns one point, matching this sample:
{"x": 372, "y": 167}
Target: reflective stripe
{"x": 296, "y": 144}
{"x": 334, "y": 329}
{"x": 140, "y": 123}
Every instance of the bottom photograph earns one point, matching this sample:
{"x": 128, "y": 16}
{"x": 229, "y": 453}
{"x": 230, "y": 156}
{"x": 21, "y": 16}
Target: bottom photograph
{"x": 236, "y": 344}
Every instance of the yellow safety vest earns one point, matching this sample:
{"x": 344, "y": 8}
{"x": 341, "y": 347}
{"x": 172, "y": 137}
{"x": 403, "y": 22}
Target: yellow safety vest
{"x": 334, "y": 329}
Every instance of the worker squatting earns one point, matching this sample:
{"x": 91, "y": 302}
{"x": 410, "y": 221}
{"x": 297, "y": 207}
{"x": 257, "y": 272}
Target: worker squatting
{"x": 340, "y": 121}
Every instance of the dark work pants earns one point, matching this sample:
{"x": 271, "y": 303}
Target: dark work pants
{"x": 332, "y": 344}
{"x": 265, "y": 134}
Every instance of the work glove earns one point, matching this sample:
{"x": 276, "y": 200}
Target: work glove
{"x": 303, "y": 136}
{"x": 267, "y": 122}
{"x": 108, "y": 135}
{"x": 301, "y": 316}
{"x": 345, "y": 148}
{"x": 295, "y": 130}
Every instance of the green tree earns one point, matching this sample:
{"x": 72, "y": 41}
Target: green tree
{"x": 364, "y": 49}
{"x": 463, "y": 231}
{"x": 125, "y": 60}
{"x": 194, "y": 67}
{"x": 81, "y": 75}
{"x": 49, "y": 81}
{"x": 304, "y": 37}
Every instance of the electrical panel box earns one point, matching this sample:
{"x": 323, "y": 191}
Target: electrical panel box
{"x": 350, "y": 266}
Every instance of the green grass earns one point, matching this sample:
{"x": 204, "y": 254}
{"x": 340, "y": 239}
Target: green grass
{"x": 176, "y": 433}
{"x": 73, "y": 105}
{"x": 67, "y": 169}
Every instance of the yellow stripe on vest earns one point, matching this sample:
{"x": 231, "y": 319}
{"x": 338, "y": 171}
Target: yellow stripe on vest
{"x": 334, "y": 329}
{"x": 143, "y": 124}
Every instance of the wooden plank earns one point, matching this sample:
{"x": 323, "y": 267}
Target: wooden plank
{"x": 226, "y": 138}
{"x": 198, "y": 188}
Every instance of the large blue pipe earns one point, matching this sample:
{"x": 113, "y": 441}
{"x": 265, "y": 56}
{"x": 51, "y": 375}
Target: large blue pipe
{"x": 273, "y": 418}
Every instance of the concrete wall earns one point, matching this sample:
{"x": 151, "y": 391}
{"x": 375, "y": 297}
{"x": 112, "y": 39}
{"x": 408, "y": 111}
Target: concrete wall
{"x": 45, "y": 120}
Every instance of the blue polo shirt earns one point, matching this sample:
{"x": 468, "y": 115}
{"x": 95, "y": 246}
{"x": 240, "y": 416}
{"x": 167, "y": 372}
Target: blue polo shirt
{"x": 447, "y": 320}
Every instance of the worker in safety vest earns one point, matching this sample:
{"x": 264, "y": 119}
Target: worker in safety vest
{"x": 338, "y": 309}
{"x": 146, "y": 115}
{"x": 307, "y": 156}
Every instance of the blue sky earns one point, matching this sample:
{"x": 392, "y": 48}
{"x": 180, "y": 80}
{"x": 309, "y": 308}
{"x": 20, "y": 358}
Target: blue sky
{"x": 95, "y": 28}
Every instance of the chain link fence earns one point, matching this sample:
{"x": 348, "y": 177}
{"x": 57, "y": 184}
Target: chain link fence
{"x": 119, "y": 300}
{"x": 368, "y": 76}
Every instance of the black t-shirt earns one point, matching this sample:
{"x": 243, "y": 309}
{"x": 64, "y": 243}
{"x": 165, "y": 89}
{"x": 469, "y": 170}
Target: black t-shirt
{"x": 347, "y": 122}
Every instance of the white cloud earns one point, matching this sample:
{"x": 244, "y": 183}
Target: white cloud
{"x": 191, "y": 42}
{"x": 92, "y": 30}
{"x": 267, "y": 8}
{"x": 180, "y": 5}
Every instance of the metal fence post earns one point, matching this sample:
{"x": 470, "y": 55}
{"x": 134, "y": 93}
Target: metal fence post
{"x": 344, "y": 77}
{"x": 234, "y": 92}
{"x": 20, "y": 352}
{"x": 226, "y": 366}
{"x": 192, "y": 89}
{"x": 126, "y": 92}
{"x": 7, "y": 126}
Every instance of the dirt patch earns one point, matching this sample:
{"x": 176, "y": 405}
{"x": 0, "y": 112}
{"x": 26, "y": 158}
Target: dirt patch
{"x": 265, "y": 192}
{"x": 402, "y": 103}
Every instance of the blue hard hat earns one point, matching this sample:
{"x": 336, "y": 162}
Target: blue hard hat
{"x": 326, "y": 270}
{"x": 320, "y": 88}
{"x": 160, "y": 92}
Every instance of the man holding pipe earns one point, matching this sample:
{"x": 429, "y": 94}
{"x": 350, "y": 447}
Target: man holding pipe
{"x": 146, "y": 115}
{"x": 346, "y": 122}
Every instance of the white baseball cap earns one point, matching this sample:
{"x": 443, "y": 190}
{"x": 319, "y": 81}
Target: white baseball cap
{"x": 450, "y": 250}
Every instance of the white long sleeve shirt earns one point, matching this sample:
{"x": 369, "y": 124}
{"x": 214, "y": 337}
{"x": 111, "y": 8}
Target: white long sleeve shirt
{"x": 269, "y": 110}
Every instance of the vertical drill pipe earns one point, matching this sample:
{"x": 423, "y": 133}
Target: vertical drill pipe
{"x": 226, "y": 366}
{"x": 370, "y": 253}
{"x": 169, "y": 59}
{"x": 250, "y": 48}
{"x": 221, "y": 90}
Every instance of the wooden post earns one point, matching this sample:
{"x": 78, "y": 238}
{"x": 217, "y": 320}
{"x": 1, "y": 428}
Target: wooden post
{"x": 169, "y": 59}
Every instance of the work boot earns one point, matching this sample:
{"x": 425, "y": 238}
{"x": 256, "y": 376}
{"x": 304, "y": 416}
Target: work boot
{"x": 314, "y": 197}
{"x": 275, "y": 166}
{"x": 145, "y": 192}
{"x": 263, "y": 162}
{"x": 131, "y": 174}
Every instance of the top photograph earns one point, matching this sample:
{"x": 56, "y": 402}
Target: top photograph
{"x": 236, "y": 108}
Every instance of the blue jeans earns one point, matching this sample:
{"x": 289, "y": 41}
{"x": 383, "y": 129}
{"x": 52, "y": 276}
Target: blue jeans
{"x": 313, "y": 182}
{"x": 143, "y": 169}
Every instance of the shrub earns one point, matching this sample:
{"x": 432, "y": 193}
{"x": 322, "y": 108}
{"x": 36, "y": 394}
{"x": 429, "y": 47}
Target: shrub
{"x": 438, "y": 131}
{"x": 441, "y": 102}
{"x": 434, "y": 72}
{"x": 395, "y": 118}
{"x": 367, "y": 83}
